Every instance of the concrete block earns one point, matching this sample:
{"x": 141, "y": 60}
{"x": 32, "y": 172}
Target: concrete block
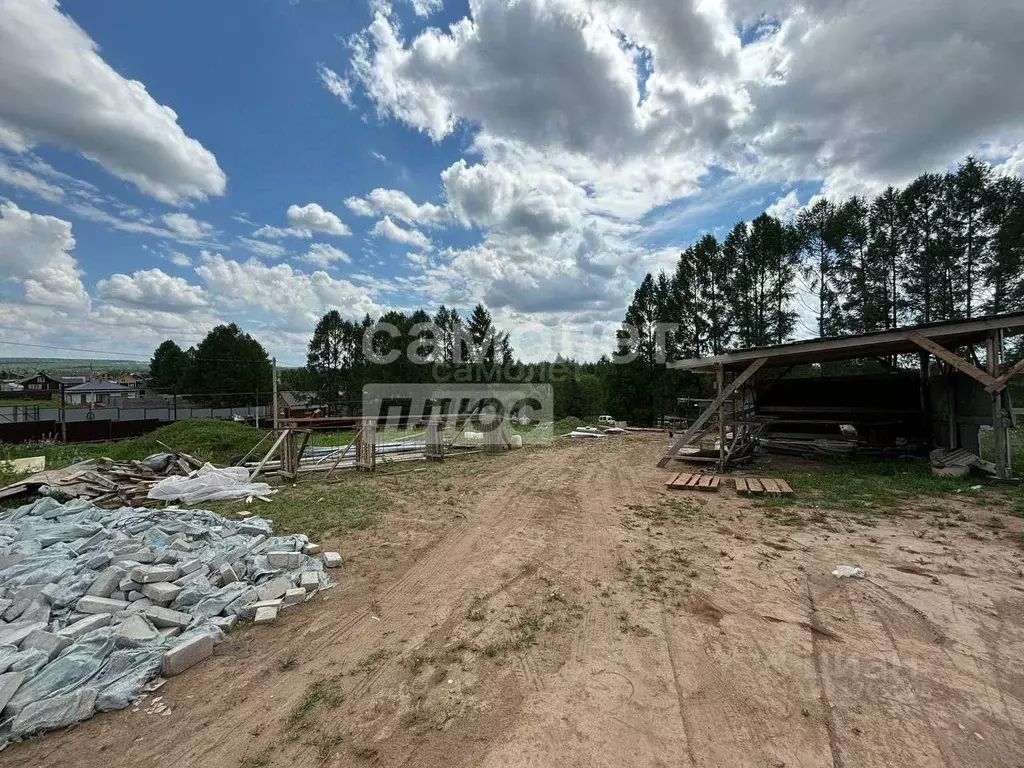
{"x": 106, "y": 582}
{"x": 151, "y": 574}
{"x": 249, "y": 611}
{"x": 136, "y": 629}
{"x": 16, "y": 608}
{"x": 165, "y": 617}
{"x": 311, "y": 549}
{"x": 90, "y": 604}
{"x": 273, "y": 589}
{"x": 14, "y": 634}
{"x": 224, "y": 623}
{"x": 47, "y": 642}
{"x": 119, "y": 596}
{"x": 38, "y": 610}
{"x": 82, "y": 626}
{"x": 265, "y": 615}
{"x": 195, "y": 577}
{"x": 141, "y": 605}
{"x": 128, "y": 584}
{"x": 9, "y": 684}
{"x": 169, "y": 632}
{"x": 131, "y": 597}
{"x": 161, "y": 591}
{"x": 294, "y": 596}
{"x": 280, "y": 559}
{"x": 187, "y": 654}
{"x": 55, "y": 712}
{"x": 309, "y": 580}
{"x": 4, "y": 605}
{"x": 30, "y": 592}
{"x": 332, "y": 560}
{"x": 227, "y": 575}
{"x": 257, "y": 544}
{"x": 97, "y": 561}
{"x": 191, "y": 566}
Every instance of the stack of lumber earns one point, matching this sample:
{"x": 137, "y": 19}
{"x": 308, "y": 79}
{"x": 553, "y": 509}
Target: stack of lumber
{"x": 694, "y": 481}
{"x": 104, "y": 479}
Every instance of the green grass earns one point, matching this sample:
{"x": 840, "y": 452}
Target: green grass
{"x": 322, "y": 693}
{"x": 314, "y": 509}
{"x": 881, "y": 486}
{"x": 207, "y": 439}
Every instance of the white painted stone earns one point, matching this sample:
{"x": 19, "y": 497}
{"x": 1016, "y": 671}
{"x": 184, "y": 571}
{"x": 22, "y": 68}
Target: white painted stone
{"x": 187, "y": 654}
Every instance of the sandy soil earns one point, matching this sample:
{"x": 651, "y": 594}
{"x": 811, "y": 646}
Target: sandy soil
{"x": 561, "y": 608}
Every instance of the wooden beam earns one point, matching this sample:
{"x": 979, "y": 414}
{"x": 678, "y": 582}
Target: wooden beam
{"x": 1003, "y": 380}
{"x": 955, "y": 360}
{"x": 713, "y": 406}
{"x": 271, "y": 452}
{"x": 720, "y": 380}
{"x": 342, "y": 453}
{"x": 994, "y": 350}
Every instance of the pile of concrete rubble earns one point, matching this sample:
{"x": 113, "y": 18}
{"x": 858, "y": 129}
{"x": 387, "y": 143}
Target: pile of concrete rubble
{"x": 96, "y": 602}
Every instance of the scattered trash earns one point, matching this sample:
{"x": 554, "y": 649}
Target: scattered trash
{"x": 849, "y": 572}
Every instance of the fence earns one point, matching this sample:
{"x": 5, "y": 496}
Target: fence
{"x": 15, "y": 414}
{"x": 77, "y": 431}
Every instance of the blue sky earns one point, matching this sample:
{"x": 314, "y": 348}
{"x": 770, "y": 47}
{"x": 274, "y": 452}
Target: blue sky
{"x": 537, "y": 156}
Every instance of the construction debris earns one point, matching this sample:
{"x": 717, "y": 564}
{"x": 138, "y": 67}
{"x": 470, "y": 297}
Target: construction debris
{"x": 694, "y": 482}
{"x": 759, "y": 485}
{"x": 958, "y": 463}
{"x": 98, "y": 602}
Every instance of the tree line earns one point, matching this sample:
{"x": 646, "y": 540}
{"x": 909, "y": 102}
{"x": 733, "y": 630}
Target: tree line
{"x": 944, "y": 247}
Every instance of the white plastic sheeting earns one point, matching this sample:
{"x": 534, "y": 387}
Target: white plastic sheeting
{"x": 52, "y": 554}
{"x": 209, "y": 483}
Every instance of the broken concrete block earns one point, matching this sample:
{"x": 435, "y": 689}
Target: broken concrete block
{"x": 9, "y": 684}
{"x": 190, "y": 566}
{"x": 169, "y": 632}
{"x": 128, "y": 584}
{"x": 186, "y": 655}
{"x": 4, "y": 605}
{"x": 140, "y": 605}
{"x": 332, "y": 560}
{"x": 16, "y": 608}
{"x": 249, "y": 611}
{"x": 273, "y": 589}
{"x": 309, "y": 580}
{"x": 224, "y": 623}
{"x": 82, "y": 626}
{"x": 311, "y": 549}
{"x": 90, "y": 604}
{"x": 14, "y": 634}
{"x": 265, "y": 615}
{"x": 151, "y": 574}
{"x": 38, "y": 610}
{"x": 30, "y": 592}
{"x": 227, "y": 575}
{"x": 133, "y": 596}
{"x": 136, "y": 629}
{"x": 284, "y": 559}
{"x": 54, "y": 712}
{"x": 165, "y": 617}
{"x": 106, "y": 582}
{"x": 161, "y": 591}
{"x": 294, "y": 596}
{"x": 47, "y": 642}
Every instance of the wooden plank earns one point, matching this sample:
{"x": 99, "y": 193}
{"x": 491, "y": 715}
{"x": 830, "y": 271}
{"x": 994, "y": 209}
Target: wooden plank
{"x": 705, "y": 481}
{"x": 956, "y": 361}
{"x": 784, "y": 487}
{"x": 770, "y": 486}
{"x": 754, "y": 485}
{"x": 1005, "y": 378}
{"x": 699, "y": 422}
{"x": 271, "y": 452}
{"x": 694, "y": 481}
{"x": 672, "y": 480}
{"x": 741, "y": 485}
{"x": 715, "y": 481}
{"x": 683, "y": 479}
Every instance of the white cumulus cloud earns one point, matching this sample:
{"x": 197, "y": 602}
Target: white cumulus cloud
{"x": 387, "y": 228}
{"x": 35, "y": 253}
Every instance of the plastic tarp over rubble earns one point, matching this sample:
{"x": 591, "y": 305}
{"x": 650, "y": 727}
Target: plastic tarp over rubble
{"x": 209, "y": 483}
{"x": 72, "y": 639}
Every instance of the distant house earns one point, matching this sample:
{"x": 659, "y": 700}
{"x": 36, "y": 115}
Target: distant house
{"x": 98, "y": 393}
{"x": 49, "y": 382}
{"x": 297, "y": 405}
{"x": 132, "y": 381}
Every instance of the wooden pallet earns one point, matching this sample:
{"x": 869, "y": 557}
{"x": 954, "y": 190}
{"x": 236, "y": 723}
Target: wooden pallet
{"x": 694, "y": 481}
{"x": 759, "y": 485}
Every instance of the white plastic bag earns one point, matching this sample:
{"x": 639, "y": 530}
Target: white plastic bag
{"x": 209, "y": 483}
{"x": 849, "y": 572}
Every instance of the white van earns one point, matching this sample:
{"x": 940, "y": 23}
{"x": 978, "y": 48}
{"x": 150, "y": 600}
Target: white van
{"x": 606, "y": 420}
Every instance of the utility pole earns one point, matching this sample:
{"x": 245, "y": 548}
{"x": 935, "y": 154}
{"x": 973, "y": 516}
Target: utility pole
{"x": 273, "y": 403}
{"x": 63, "y": 419}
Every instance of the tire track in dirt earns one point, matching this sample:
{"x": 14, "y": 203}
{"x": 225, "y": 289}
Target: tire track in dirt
{"x": 819, "y": 674}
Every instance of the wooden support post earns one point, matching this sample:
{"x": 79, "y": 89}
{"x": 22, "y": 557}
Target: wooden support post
{"x": 699, "y": 422}
{"x": 435, "y": 442}
{"x": 271, "y": 452}
{"x": 289, "y": 459}
{"x": 994, "y": 348}
{"x": 1003, "y": 380}
{"x": 343, "y": 452}
{"x": 986, "y": 379}
{"x": 720, "y": 382}
{"x": 366, "y": 448}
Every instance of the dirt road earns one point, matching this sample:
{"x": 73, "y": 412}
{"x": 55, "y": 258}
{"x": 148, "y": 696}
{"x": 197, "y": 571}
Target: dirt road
{"x": 560, "y": 608}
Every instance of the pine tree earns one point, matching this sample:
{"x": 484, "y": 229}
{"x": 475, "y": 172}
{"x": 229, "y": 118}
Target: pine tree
{"x": 887, "y": 248}
{"x": 820, "y": 233}
{"x": 970, "y": 188}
